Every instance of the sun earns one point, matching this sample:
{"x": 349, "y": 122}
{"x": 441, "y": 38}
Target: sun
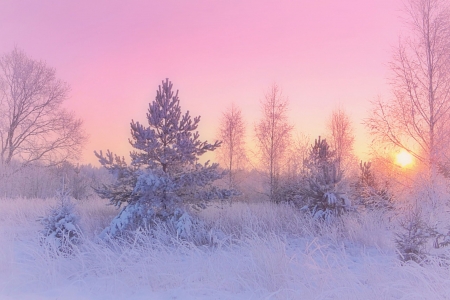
{"x": 404, "y": 159}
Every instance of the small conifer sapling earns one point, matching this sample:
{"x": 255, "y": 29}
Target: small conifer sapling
{"x": 164, "y": 179}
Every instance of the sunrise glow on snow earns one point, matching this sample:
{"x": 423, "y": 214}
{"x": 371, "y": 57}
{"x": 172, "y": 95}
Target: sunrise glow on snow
{"x": 224, "y": 149}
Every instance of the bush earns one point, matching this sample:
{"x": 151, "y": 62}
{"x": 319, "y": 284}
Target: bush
{"x": 61, "y": 231}
{"x": 411, "y": 243}
{"x": 323, "y": 193}
{"x": 369, "y": 193}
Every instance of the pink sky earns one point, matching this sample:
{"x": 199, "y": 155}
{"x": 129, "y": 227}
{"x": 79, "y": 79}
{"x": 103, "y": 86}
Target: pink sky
{"x": 114, "y": 54}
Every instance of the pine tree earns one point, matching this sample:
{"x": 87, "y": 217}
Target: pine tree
{"x": 412, "y": 240}
{"x": 368, "y": 192}
{"x": 164, "y": 178}
{"x": 61, "y": 231}
{"x": 323, "y": 194}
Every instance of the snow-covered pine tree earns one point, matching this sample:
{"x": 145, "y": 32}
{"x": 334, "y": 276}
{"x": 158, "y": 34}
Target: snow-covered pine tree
{"x": 368, "y": 192}
{"x": 323, "y": 194}
{"x": 164, "y": 178}
{"x": 412, "y": 241}
{"x": 61, "y": 231}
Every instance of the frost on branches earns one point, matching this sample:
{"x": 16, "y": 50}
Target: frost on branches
{"x": 61, "y": 231}
{"x": 164, "y": 178}
{"x": 369, "y": 193}
{"x": 324, "y": 195}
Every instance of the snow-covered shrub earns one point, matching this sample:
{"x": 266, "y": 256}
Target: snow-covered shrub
{"x": 442, "y": 240}
{"x": 412, "y": 241}
{"x": 61, "y": 231}
{"x": 369, "y": 193}
{"x": 164, "y": 178}
{"x": 324, "y": 194}
{"x": 291, "y": 185}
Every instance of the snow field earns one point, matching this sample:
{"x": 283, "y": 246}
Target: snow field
{"x": 255, "y": 251}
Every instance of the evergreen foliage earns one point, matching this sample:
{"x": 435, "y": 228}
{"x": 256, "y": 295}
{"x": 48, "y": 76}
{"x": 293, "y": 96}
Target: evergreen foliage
{"x": 411, "y": 243}
{"x": 61, "y": 231}
{"x": 323, "y": 193}
{"x": 369, "y": 194}
{"x": 164, "y": 178}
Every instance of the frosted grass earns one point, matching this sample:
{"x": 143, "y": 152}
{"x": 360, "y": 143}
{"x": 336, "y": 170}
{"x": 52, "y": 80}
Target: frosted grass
{"x": 256, "y": 251}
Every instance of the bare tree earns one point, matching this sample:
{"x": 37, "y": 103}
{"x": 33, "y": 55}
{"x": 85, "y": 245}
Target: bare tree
{"x": 418, "y": 117}
{"x": 273, "y": 133}
{"x": 298, "y": 153}
{"x": 232, "y": 134}
{"x": 341, "y": 136}
{"x": 33, "y": 124}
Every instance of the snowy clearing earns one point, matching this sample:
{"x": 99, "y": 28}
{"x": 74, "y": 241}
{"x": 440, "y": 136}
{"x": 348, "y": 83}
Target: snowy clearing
{"x": 256, "y": 251}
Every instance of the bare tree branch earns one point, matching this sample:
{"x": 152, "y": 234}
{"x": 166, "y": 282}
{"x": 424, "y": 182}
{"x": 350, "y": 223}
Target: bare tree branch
{"x": 273, "y": 134}
{"x": 33, "y": 124}
{"x": 232, "y": 134}
{"x": 341, "y": 137}
{"x": 417, "y": 118}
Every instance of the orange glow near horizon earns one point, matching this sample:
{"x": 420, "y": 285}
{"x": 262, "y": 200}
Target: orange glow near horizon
{"x": 404, "y": 159}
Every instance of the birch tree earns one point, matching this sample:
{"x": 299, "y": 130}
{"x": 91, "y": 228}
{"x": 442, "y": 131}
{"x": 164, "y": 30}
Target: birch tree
{"x": 417, "y": 118}
{"x": 273, "y": 133}
{"x": 232, "y": 135}
{"x": 341, "y": 136}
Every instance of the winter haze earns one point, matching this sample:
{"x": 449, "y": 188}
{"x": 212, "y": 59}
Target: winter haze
{"x": 225, "y": 149}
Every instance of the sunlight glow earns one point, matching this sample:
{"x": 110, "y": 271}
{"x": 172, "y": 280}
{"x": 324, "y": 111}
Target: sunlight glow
{"x": 404, "y": 159}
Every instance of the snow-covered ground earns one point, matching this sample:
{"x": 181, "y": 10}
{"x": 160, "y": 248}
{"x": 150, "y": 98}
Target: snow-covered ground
{"x": 255, "y": 251}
